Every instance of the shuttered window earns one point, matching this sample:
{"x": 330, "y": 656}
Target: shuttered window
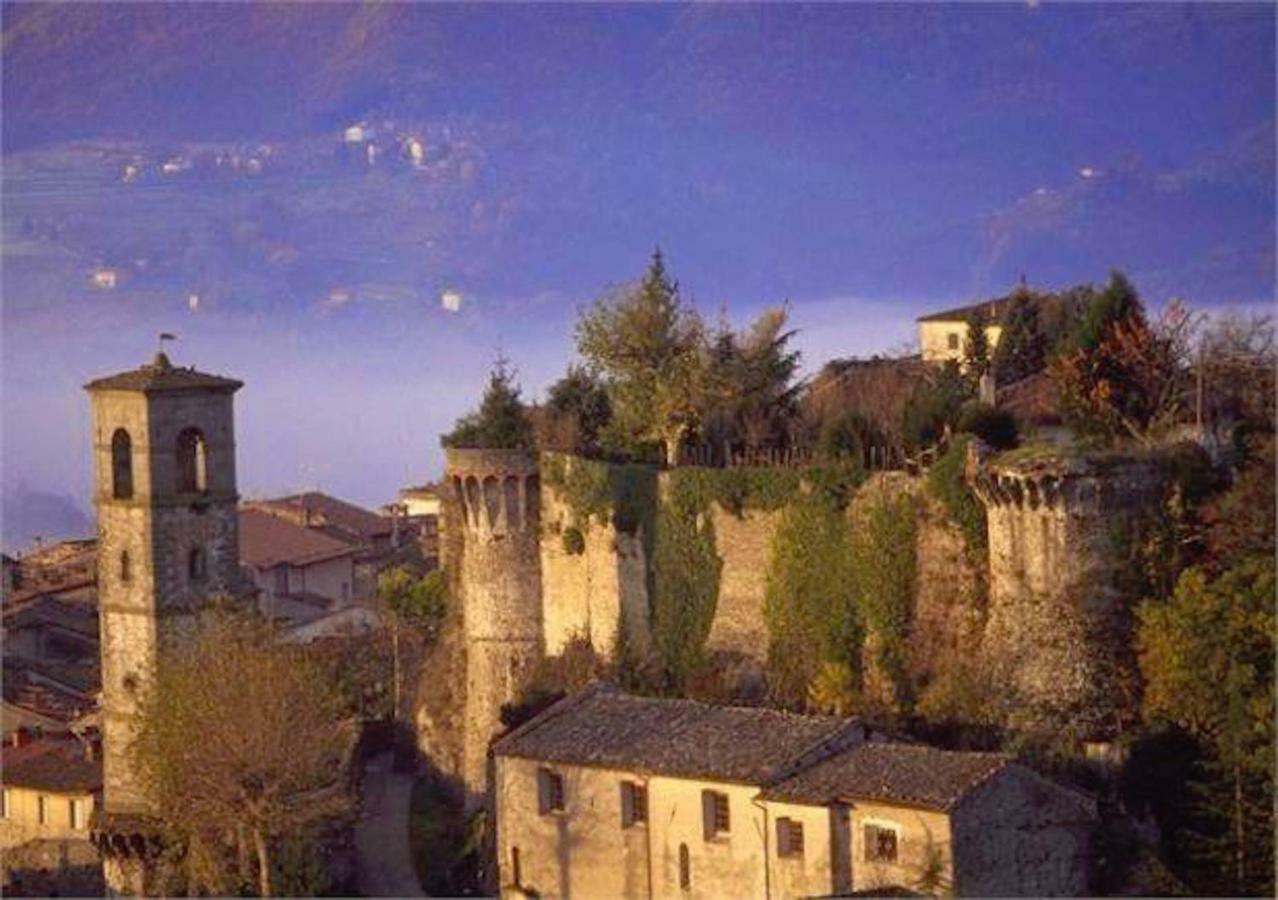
{"x": 634, "y": 804}
{"x": 789, "y": 837}
{"x": 685, "y": 868}
{"x": 880, "y": 844}
{"x": 550, "y": 791}
{"x": 714, "y": 814}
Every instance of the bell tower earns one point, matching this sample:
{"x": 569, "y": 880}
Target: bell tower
{"x": 164, "y": 488}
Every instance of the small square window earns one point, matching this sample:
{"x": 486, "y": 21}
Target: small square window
{"x": 634, "y": 804}
{"x": 550, "y": 791}
{"x": 880, "y": 844}
{"x": 952, "y": 340}
{"x": 715, "y": 814}
{"x": 789, "y": 837}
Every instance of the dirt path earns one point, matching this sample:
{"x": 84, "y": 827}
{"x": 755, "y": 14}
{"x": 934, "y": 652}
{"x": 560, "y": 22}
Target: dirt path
{"x": 385, "y": 866}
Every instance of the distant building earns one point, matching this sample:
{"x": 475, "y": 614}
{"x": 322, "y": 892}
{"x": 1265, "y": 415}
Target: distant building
{"x": 46, "y": 699}
{"x": 607, "y": 794}
{"x": 51, "y": 787}
{"x": 301, "y": 573}
{"x": 942, "y": 335}
{"x": 371, "y": 536}
{"x": 419, "y": 510}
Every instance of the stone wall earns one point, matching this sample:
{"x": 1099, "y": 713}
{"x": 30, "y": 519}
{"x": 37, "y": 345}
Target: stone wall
{"x": 744, "y": 543}
{"x": 1060, "y": 624}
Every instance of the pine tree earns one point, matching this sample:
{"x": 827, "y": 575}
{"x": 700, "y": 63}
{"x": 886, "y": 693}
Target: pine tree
{"x": 976, "y": 347}
{"x": 500, "y": 423}
{"x": 1022, "y": 347}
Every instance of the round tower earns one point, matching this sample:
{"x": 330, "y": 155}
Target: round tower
{"x": 497, "y": 498}
{"x": 1060, "y": 619}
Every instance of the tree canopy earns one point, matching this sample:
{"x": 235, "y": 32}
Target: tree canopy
{"x": 500, "y": 423}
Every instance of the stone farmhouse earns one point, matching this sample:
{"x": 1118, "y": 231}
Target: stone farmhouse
{"x": 942, "y": 334}
{"x": 608, "y": 794}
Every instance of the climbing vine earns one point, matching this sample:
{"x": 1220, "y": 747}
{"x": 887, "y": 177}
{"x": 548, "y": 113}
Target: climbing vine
{"x": 947, "y": 483}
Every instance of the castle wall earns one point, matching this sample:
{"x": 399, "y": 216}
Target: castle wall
{"x": 744, "y": 543}
{"x": 1060, "y": 627}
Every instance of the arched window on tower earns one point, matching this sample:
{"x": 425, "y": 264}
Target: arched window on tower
{"x": 196, "y": 567}
{"x": 121, "y": 465}
{"x": 126, "y": 572}
{"x": 192, "y": 462}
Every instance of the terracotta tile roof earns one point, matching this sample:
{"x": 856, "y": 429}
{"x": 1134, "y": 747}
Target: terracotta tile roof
{"x": 24, "y": 688}
{"x": 994, "y": 310}
{"x": 604, "y": 727}
{"x": 913, "y": 774}
{"x": 336, "y": 517}
{"x": 51, "y": 765}
{"x": 267, "y": 540}
{"x": 78, "y": 617}
{"x": 162, "y": 375}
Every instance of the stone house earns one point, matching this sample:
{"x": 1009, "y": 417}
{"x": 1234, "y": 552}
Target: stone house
{"x": 50, "y": 790}
{"x": 607, "y": 794}
{"x": 300, "y": 573}
{"x": 943, "y": 334}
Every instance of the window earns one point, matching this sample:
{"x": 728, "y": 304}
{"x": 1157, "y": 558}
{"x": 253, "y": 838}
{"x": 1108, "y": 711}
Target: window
{"x": 550, "y": 791}
{"x": 192, "y": 462}
{"x": 515, "y": 875}
{"x": 5, "y": 800}
{"x": 952, "y": 340}
{"x": 634, "y": 803}
{"x": 77, "y": 814}
{"x": 121, "y": 465}
{"x": 126, "y": 573}
{"x": 714, "y": 814}
{"x": 346, "y": 592}
{"x": 685, "y": 869}
{"x": 196, "y": 567}
{"x": 41, "y": 810}
{"x": 789, "y": 837}
{"x": 281, "y": 580}
{"x": 880, "y": 844}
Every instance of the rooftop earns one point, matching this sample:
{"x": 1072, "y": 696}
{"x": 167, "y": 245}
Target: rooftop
{"x": 912, "y": 774}
{"x": 318, "y": 510}
{"x": 605, "y": 727}
{"x": 51, "y": 765}
{"x": 161, "y": 375}
{"x": 994, "y": 310}
{"x": 267, "y": 540}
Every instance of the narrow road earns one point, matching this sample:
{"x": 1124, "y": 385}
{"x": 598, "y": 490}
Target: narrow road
{"x": 384, "y": 864}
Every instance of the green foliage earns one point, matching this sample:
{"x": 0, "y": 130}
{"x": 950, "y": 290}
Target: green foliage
{"x": 976, "y": 346}
{"x": 1022, "y": 345}
{"x": 414, "y": 600}
{"x": 884, "y": 556}
{"x": 947, "y": 482}
{"x": 996, "y": 427}
{"x": 752, "y": 396}
{"x": 1207, "y": 657}
{"x": 685, "y": 586}
{"x": 500, "y": 422}
{"x": 574, "y": 542}
{"x": 934, "y": 406}
{"x": 621, "y": 494}
{"x": 847, "y": 436}
{"x": 810, "y": 604}
{"x": 580, "y": 398}
{"x": 438, "y": 833}
{"x": 650, "y": 348}
{"x": 1116, "y": 302}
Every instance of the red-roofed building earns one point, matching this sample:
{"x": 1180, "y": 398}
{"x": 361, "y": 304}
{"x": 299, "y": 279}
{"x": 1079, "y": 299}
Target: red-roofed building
{"x": 301, "y": 572}
{"x": 50, "y": 789}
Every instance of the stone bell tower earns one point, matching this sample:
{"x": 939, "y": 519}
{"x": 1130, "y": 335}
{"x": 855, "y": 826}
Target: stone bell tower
{"x": 164, "y": 488}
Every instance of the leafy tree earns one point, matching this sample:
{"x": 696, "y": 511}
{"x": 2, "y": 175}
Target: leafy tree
{"x": 1207, "y": 657}
{"x": 650, "y": 348}
{"x": 1116, "y": 302}
{"x": 1022, "y": 346}
{"x": 500, "y": 423}
{"x": 935, "y": 406}
{"x": 753, "y": 396}
{"x": 996, "y": 427}
{"x": 685, "y": 586}
{"x": 239, "y": 746}
{"x": 976, "y": 346}
{"x": 581, "y": 402}
{"x": 414, "y": 604}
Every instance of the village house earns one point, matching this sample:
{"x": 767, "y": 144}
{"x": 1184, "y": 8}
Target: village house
{"x": 942, "y": 335}
{"x": 50, "y": 789}
{"x": 418, "y": 511}
{"x": 372, "y": 537}
{"x": 301, "y": 573}
{"x": 608, "y": 794}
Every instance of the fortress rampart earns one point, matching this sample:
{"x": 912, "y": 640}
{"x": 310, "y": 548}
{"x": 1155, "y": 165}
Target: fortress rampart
{"x": 1060, "y": 623}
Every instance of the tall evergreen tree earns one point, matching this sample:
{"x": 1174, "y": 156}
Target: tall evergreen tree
{"x": 500, "y": 423}
{"x": 1117, "y": 302}
{"x": 1022, "y": 347}
{"x": 976, "y": 346}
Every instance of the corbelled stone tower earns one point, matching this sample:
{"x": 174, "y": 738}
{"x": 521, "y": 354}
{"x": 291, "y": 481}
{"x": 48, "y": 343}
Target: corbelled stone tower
{"x": 164, "y": 476}
{"x": 1060, "y": 609}
{"x": 498, "y": 501}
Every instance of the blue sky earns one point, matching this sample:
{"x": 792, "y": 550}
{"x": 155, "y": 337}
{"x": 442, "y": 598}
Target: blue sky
{"x": 864, "y": 162}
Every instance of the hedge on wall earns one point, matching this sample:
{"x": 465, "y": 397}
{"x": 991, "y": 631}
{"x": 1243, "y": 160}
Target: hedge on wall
{"x": 946, "y": 482}
{"x": 684, "y": 584}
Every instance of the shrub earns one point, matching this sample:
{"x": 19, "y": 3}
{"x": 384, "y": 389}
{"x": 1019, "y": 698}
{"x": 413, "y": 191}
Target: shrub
{"x": 996, "y": 427}
{"x": 946, "y": 481}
